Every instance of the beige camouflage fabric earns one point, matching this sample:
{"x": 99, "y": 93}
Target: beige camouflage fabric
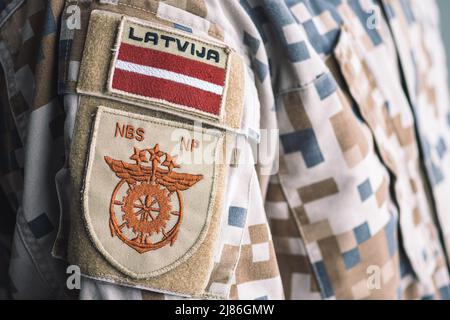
{"x": 347, "y": 101}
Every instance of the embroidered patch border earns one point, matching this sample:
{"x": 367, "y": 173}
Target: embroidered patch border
{"x": 86, "y": 189}
{"x": 161, "y": 77}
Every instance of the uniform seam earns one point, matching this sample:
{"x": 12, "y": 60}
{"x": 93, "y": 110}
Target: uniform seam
{"x": 249, "y": 192}
{"x": 52, "y": 285}
{"x": 8, "y": 12}
{"x": 109, "y": 278}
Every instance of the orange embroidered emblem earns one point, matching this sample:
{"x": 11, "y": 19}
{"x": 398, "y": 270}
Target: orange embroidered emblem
{"x": 146, "y": 208}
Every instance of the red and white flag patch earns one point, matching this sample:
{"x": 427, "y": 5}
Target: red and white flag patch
{"x": 170, "y": 68}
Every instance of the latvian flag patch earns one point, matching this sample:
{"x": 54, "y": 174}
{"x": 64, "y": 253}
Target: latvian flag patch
{"x": 170, "y": 68}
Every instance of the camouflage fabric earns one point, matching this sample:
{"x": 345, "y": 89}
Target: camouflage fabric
{"x": 355, "y": 92}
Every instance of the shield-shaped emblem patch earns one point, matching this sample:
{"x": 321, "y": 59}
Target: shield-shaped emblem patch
{"x": 149, "y": 190}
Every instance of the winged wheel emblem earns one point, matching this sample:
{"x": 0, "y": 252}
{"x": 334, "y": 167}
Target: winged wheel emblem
{"x": 146, "y": 209}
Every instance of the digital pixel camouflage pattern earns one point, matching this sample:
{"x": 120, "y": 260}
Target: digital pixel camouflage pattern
{"x": 357, "y": 90}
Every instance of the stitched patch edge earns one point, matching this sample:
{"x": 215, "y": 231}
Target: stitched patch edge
{"x": 160, "y": 102}
{"x": 86, "y": 183}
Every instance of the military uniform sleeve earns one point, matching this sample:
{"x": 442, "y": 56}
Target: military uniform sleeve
{"x": 222, "y": 246}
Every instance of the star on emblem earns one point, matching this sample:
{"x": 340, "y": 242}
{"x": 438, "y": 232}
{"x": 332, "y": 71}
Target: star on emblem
{"x": 139, "y": 156}
{"x": 170, "y": 162}
{"x": 155, "y": 154}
